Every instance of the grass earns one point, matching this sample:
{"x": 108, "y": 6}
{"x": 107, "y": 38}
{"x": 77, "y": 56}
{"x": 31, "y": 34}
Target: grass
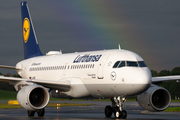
{"x": 65, "y": 104}
{"x": 7, "y": 95}
{"x": 11, "y": 95}
{"x": 175, "y": 100}
{"x": 173, "y": 109}
{"x": 7, "y": 106}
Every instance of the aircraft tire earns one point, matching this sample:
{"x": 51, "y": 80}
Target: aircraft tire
{"x": 31, "y": 113}
{"x": 108, "y": 111}
{"x": 41, "y": 112}
{"x": 118, "y": 114}
{"x": 124, "y": 114}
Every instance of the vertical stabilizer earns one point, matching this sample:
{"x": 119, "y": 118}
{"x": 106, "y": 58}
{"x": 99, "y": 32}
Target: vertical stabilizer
{"x": 31, "y": 47}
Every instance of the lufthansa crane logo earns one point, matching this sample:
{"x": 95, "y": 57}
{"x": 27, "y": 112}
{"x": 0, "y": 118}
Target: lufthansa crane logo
{"x": 113, "y": 75}
{"x": 26, "y": 29}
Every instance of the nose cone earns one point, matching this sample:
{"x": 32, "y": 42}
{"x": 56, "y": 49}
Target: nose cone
{"x": 142, "y": 77}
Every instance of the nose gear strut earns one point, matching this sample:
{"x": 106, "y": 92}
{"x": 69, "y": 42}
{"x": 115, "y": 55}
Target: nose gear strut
{"x": 117, "y": 108}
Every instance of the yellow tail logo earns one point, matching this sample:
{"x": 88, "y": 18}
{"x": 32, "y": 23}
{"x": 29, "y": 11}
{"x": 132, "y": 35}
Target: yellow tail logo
{"x": 26, "y": 29}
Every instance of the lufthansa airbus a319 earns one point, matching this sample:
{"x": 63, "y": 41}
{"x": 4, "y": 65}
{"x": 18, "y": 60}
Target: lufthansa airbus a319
{"x": 114, "y": 74}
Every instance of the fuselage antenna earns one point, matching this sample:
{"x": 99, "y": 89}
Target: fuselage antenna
{"x": 119, "y": 46}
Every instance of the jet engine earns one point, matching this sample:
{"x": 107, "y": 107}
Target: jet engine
{"x": 33, "y": 97}
{"x": 154, "y": 99}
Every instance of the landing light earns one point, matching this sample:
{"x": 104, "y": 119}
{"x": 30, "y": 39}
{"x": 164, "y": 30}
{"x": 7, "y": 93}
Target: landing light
{"x": 56, "y": 91}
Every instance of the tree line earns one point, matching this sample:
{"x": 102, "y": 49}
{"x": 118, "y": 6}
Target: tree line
{"x": 172, "y": 86}
{"x": 6, "y": 85}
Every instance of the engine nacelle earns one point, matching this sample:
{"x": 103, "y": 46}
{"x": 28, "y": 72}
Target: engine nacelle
{"x": 33, "y": 97}
{"x": 154, "y": 99}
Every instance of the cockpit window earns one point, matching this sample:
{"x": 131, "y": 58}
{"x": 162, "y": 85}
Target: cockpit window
{"x": 142, "y": 64}
{"x": 116, "y": 64}
{"x": 132, "y": 64}
{"x": 122, "y": 64}
{"x": 119, "y": 64}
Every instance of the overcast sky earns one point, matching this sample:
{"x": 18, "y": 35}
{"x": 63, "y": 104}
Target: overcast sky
{"x": 151, "y": 28}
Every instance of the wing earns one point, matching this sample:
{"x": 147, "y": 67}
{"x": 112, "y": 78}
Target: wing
{"x": 63, "y": 85}
{"x": 165, "y": 78}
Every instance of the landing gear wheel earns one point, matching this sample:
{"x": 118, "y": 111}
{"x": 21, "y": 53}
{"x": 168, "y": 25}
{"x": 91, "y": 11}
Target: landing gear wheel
{"x": 31, "y": 113}
{"x": 108, "y": 111}
{"x": 124, "y": 114}
{"x": 118, "y": 114}
{"x": 116, "y": 108}
{"x": 41, "y": 112}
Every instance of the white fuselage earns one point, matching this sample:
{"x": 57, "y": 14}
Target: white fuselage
{"x": 90, "y": 73}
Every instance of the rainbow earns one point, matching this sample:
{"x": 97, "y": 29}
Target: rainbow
{"x": 96, "y": 24}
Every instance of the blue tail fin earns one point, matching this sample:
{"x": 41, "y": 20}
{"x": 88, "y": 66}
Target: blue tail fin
{"x": 31, "y": 47}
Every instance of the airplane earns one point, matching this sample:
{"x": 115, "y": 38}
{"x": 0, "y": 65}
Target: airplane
{"x": 114, "y": 74}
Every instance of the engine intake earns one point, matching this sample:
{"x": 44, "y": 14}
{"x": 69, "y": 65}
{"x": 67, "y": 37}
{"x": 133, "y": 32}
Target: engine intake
{"x": 154, "y": 99}
{"x": 33, "y": 97}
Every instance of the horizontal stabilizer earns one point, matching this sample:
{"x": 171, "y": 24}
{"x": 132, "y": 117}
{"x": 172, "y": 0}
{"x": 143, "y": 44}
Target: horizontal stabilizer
{"x": 10, "y": 67}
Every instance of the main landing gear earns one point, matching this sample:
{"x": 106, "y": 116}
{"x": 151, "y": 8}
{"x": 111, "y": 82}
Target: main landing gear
{"x": 39, "y": 112}
{"x": 116, "y": 108}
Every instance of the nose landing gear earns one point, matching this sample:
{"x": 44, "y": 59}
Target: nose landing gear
{"x": 116, "y": 108}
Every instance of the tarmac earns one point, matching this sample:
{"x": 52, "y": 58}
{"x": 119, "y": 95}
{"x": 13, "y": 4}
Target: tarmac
{"x": 95, "y": 111}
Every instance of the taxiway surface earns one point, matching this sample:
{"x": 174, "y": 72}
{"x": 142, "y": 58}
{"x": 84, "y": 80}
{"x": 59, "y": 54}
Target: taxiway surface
{"x": 95, "y": 111}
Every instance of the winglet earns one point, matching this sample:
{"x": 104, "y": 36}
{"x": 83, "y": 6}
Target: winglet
{"x": 31, "y": 47}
